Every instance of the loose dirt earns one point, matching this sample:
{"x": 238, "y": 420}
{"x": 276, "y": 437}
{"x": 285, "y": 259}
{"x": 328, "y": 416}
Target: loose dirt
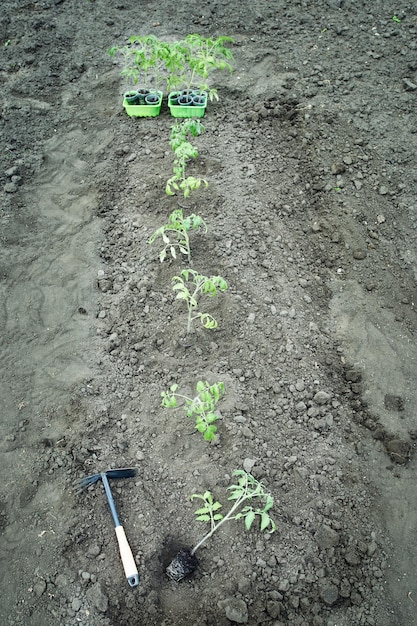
{"x": 312, "y": 221}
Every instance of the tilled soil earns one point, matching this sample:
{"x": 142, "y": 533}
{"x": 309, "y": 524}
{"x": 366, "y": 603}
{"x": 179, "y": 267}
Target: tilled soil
{"x": 311, "y": 220}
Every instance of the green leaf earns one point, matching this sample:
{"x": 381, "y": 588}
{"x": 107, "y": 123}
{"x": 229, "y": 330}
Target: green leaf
{"x": 249, "y": 519}
{"x": 210, "y": 433}
{"x": 203, "y": 518}
{"x": 265, "y": 521}
{"x": 196, "y": 495}
{"x": 202, "y": 511}
{"x": 208, "y": 321}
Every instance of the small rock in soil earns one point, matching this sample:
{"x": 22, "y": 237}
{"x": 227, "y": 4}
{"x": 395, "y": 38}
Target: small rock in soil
{"x": 97, "y": 598}
{"x": 359, "y": 254}
{"x": 393, "y": 403}
{"x": 398, "y": 450}
{"x": 39, "y": 588}
{"x": 235, "y": 609}
{"x": 409, "y": 85}
{"x": 248, "y": 465}
{"x": 330, "y": 595}
{"x": 337, "y": 168}
{"x": 321, "y": 397}
{"x": 326, "y": 537}
{"x": 273, "y": 608}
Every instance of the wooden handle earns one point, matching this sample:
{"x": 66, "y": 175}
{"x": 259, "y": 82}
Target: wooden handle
{"x": 128, "y": 561}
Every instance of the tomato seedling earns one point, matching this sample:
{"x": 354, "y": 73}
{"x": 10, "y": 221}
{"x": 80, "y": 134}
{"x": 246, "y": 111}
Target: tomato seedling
{"x": 190, "y": 286}
{"x": 174, "y": 234}
{"x": 201, "y": 407}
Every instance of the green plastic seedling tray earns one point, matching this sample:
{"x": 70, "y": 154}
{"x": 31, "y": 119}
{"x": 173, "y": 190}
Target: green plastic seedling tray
{"x": 143, "y": 110}
{"x": 178, "y": 110}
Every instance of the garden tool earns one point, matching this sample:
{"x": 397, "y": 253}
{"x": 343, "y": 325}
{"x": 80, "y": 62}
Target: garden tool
{"x": 124, "y": 548}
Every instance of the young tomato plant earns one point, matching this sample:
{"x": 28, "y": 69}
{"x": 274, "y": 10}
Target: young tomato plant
{"x": 246, "y": 494}
{"x": 190, "y": 285}
{"x": 144, "y": 60}
{"x": 184, "y": 151}
{"x": 197, "y": 58}
{"x": 201, "y": 407}
{"x": 178, "y": 227}
{"x": 250, "y": 501}
{"x": 180, "y": 132}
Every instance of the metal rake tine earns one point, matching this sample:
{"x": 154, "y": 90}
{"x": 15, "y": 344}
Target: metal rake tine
{"x": 84, "y": 483}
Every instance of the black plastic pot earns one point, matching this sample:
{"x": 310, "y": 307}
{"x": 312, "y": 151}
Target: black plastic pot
{"x": 183, "y": 564}
{"x": 185, "y": 101}
{"x": 132, "y": 97}
{"x": 173, "y": 98}
{"x": 199, "y": 100}
{"x": 142, "y": 93}
{"x": 152, "y": 98}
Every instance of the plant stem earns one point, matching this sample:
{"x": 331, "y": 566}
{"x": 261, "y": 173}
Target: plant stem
{"x": 226, "y": 518}
{"x": 190, "y": 308}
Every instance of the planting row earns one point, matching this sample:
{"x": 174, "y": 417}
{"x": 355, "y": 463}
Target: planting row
{"x": 188, "y": 63}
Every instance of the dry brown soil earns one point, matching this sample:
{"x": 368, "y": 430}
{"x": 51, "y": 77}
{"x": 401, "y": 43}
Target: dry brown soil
{"x": 311, "y": 211}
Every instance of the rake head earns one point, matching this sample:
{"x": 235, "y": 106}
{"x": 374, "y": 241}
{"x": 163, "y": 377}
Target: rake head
{"x": 84, "y": 483}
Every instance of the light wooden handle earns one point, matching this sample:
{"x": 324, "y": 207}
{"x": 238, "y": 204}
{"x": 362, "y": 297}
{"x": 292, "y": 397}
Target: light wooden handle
{"x": 128, "y": 561}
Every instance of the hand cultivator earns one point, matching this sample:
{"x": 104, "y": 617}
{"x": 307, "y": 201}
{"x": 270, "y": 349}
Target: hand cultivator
{"x": 124, "y": 548}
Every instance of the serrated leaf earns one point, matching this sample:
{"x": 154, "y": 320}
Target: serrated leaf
{"x": 203, "y": 518}
{"x": 265, "y": 521}
{"x": 202, "y": 511}
{"x": 235, "y": 495}
{"x": 249, "y": 519}
{"x": 173, "y": 253}
{"x": 210, "y": 433}
{"x": 215, "y": 392}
